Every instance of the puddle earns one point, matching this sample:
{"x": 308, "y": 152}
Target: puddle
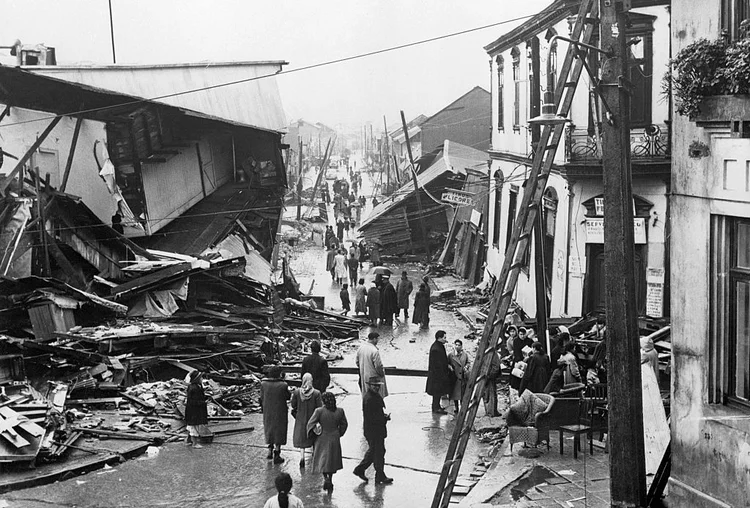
{"x": 538, "y": 475}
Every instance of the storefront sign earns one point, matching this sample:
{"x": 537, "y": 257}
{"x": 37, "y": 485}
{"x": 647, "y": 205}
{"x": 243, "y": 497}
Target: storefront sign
{"x": 457, "y": 197}
{"x": 654, "y": 292}
{"x": 476, "y": 218}
{"x": 595, "y": 230}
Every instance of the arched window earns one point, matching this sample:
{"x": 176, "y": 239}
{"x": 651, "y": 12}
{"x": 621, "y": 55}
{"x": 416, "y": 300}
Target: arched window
{"x": 516, "y": 56}
{"x": 498, "y": 183}
{"x": 552, "y": 53}
{"x": 500, "y": 85}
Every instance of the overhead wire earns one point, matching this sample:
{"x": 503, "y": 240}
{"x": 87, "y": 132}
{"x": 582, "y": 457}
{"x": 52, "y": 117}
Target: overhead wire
{"x": 278, "y": 73}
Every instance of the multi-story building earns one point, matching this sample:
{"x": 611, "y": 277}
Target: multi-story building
{"x": 572, "y": 247}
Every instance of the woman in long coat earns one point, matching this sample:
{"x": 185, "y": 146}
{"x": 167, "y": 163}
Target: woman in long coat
{"x": 196, "y": 412}
{"x": 330, "y": 256}
{"x": 339, "y": 267}
{"x": 459, "y": 362}
{"x": 360, "y": 301}
{"x": 305, "y": 400}
{"x": 537, "y": 373}
{"x": 421, "y": 315}
{"x": 274, "y": 392}
{"x": 327, "y": 450}
{"x": 373, "y": 304}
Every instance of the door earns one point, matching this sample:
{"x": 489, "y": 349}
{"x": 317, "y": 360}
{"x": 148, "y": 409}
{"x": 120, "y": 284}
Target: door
{"x": 595, "y": 289}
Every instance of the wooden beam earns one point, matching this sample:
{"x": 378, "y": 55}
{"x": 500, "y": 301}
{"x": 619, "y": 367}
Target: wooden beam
{"x": 19, "y": 165}
{"x": 72, "y": 153}
{"x": 5, "y": 113}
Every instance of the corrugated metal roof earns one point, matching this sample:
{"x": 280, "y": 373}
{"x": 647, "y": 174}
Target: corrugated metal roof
{"x": 255, "y": 103}
{"x": 455, "y": 158}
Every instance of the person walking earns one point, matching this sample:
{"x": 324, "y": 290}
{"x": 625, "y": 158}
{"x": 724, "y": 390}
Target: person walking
{"x": 196, "y": 411}
{"x": 370, "y": 365}
{"x": 375, "y": 254}
{"x": 438, "y": 372}
{"x": 537, "y": 372}
{"x": 360, "y": 298}
{"x": 421, "y": 315}
{"x": 283, "y": 499}
{"x": 326, "y": 457}
{"x": 388, "y": 302}
{"x": 274, "y": 392}
{"x": 375, "y": 419}
{"x": 339, "y": 267}
{"x": 317, "y": 366}
{"x": 404, "y": 287}
{"x": 330, "y": 262}
{"x": 340, "y": 223}
{"x": 373, "y": 304}
{"x": 363, "y": 254}
{"x": 345, "y": 301}
{"x": 305, "y": 400}
{"x": 459, "y": 362}
{"x": 352, "y": 264}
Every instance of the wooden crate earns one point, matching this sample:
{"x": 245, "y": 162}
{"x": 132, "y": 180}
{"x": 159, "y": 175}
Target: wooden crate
{"x": 48, "y": 318}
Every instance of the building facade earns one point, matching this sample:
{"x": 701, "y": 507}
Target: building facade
{"x": 710, "y": 245}
{"x": 573, "y": 207}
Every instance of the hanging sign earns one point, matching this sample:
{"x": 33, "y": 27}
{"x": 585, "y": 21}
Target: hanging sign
{"x": 595, "y": 230}
{"x": 457, "y": 197}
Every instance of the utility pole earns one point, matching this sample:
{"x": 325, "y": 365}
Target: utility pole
{"x": 416, "y": 188}
{"x": 540, "y": 279}
{"x": 299, "y": 182}
{"x": 384, "y": 157}
{"x": 112, "y": 33}
{"x": 627, "y": 465}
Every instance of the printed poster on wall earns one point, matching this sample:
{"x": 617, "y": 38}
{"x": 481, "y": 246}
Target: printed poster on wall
{"x": 654, "y": 292}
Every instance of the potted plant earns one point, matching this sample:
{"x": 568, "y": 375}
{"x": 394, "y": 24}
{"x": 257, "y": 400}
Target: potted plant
{"x": 710, "y": 80}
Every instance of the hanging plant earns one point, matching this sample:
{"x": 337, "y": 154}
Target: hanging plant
{"x": 699, "y": 70}
{"x": 736, "y": 72}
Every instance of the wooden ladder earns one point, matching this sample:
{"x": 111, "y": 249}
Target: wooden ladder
{"x": 544, "y": 155}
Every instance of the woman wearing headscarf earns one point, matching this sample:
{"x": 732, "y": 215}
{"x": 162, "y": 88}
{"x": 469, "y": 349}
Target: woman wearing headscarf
{"x": 196, "y": 411}
{"x": 274, "y": 392}
{"x": 305, "y": 400}
{"x": 283, "y": 499}
{"x": 327, "y": 450}
{"x": 421, "y": 314}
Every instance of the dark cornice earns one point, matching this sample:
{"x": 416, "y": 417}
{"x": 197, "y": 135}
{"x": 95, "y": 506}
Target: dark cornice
{"x": 548, "y": 17}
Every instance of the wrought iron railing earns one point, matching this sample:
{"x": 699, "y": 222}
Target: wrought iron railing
{"x": 651, "y": 142}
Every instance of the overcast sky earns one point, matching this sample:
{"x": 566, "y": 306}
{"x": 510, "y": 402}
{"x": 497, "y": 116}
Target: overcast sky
{"x": 421, "y": 79}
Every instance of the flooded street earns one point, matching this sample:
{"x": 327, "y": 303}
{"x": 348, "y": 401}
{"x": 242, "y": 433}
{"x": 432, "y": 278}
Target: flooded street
{"x": 233, "y": 471}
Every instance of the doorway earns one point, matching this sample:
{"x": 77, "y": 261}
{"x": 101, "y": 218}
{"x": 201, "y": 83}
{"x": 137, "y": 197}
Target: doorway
{"x": 595, "y": 289}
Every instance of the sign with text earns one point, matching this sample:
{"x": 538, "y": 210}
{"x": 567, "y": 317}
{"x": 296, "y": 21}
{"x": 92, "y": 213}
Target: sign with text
{"x": 654, "y": 292}
{"x": 457, "y": 197}
{"x": 595, "y": 230}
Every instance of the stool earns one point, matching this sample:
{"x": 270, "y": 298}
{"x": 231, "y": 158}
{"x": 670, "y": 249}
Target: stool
{"x": 577, "y": 430}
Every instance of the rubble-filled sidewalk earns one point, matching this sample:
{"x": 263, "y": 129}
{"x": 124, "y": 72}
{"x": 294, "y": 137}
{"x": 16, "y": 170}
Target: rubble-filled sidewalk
{"x": 528, "y": 477}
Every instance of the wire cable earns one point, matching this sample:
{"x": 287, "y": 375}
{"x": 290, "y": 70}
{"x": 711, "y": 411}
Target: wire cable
{"x": 278, "y": 73}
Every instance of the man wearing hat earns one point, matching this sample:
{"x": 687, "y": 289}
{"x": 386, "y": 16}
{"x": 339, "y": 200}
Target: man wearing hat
{"x": 375, "y": 419}
{"x": 370, "y": 365}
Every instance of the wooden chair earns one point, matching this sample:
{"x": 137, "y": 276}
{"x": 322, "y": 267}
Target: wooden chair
{"x": 578, "y": 429}
{"x": 598, "y": 414}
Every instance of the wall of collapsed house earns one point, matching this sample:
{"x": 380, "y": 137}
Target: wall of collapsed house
{"x": 23, "y": 126}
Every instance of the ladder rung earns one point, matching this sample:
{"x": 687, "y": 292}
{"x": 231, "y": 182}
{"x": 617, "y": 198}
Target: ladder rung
{"x": 551, "y": 147}
{"x": 570, "y": 84}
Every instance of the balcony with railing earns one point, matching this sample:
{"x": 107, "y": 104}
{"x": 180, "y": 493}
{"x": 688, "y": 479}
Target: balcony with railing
{"x": 650, "y": 143}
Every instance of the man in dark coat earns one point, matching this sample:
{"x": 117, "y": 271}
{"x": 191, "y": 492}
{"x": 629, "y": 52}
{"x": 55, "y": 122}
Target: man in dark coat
{"x": 375, "y": 419}
{"x": 438, "y": 372}
{"x": 537, "y": 372}
{"x": 318, "y": 367}
{"x": 404, "y": 287}
{"x": 388, "y": 302}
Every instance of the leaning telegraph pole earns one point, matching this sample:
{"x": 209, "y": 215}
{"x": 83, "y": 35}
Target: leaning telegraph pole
{"x": 627, "y": 464}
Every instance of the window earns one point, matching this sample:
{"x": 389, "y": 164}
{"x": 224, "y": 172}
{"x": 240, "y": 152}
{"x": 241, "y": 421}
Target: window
{"x": 512, "y": 203}
{"x": 733, "y": 13}
{"x": 730, "y": 307}
{"x": 500, "y": 101}
{"x": 516, "y": 55}
{"x": 640, "y": 68}
{"x": 498, "y": 210}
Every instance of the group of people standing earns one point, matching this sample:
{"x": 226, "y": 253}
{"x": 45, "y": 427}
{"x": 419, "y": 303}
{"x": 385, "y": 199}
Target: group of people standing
{"x": 447, "y": 372}
{"x": 319, "y": 423}
{"x": 382, "y": 302}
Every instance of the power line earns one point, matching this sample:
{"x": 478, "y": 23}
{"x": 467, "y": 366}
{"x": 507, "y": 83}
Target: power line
{"x": 281, "y": 72}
